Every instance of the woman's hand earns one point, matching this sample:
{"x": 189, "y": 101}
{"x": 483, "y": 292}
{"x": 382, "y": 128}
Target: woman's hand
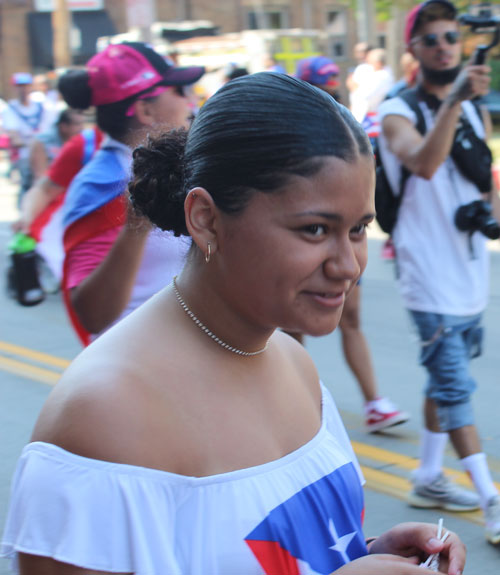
{"x": 383, "y": 565}
{"x": 418, "y": 541}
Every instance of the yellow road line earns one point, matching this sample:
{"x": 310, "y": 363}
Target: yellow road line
{"x": 30, "y": 371}
{"x": 393, "y": 458}
{"x": 383, "y": 455}
{"x": 34, "y": 355}
{"x": 399, "y": 487}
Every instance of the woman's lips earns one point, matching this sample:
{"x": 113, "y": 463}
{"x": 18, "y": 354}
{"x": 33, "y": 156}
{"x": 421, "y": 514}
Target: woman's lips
{"x": 328, "y": 299}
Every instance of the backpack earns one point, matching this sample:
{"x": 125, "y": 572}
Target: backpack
{"x": 386, "y": 202}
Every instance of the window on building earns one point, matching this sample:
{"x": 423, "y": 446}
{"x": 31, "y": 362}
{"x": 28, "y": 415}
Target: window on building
{"x": 336, "y": 29}
{"x": 267, "y": 18}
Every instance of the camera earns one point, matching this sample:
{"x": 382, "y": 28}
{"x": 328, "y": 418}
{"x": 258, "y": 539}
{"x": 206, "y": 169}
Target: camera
{"x": 479, "y": 22}
{"x": 476, "y": 217}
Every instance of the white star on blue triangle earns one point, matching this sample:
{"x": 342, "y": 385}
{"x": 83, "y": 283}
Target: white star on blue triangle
{"x": 341, "y": 543}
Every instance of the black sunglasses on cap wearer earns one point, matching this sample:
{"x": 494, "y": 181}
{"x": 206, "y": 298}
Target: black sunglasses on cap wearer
{"x": 432, "y": 40}
{"x": 180, "y": 90}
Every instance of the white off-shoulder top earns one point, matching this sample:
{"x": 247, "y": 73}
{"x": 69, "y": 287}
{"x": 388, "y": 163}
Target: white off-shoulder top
{"x": 300, "y": 514}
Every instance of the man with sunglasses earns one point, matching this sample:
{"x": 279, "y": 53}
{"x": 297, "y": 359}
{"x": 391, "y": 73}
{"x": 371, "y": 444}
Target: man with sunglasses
{"x": 443, "y": 272}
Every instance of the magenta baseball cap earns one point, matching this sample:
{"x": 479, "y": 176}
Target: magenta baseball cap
{"x": 316, "y": 70}
{"x": 412, "y": 17}
{"x": 124, "y": 70}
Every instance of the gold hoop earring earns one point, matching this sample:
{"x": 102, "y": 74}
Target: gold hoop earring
{"x": 209, "y": 252}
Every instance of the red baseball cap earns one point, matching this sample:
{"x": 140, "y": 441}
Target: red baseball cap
{"x": 124, "y": 70}
{"x": 413, "y": 15}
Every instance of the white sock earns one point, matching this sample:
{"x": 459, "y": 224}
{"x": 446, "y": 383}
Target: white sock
{"x": 432, "y": 446}
{"x": 381, "y": 404}
{"x": 374, "y": 403}
{"x": 477, "y": 467}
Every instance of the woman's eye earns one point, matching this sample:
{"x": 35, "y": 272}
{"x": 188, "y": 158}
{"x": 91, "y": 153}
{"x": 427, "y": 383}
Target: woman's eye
{"x": 359, "y": 230}
{"x": 315, "y": 230}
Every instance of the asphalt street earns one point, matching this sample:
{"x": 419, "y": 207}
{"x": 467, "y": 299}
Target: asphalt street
{"x": 36, "y": 343}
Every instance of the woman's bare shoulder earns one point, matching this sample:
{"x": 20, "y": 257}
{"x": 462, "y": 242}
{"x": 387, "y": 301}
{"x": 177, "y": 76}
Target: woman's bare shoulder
{"x": 301, "y": 361}
{"x": 99, "y": 407}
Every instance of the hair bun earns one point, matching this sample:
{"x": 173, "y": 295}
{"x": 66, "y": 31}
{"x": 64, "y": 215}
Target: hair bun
{"x": 75, "y": 89}
{"x": 157, "y": 185}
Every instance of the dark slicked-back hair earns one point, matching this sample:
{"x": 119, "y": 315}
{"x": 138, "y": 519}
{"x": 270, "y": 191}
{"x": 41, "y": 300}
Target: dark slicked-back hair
{"x": 253, "y": 135}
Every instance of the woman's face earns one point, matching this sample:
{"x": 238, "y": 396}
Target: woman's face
{"x": 291, "y": 257}
{"x": 171, "y": 109}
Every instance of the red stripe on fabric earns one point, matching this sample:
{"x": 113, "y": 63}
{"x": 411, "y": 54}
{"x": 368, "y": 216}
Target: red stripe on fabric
{"x": 106, "y": 217}
{"x": 39, "y": 223}
{"x": 273, "y": 558}
{"x": 109, "y": 216}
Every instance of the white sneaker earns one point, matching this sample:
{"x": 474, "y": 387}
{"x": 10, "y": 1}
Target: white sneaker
{"x": 381, "y": 414}
{"x": 492, "y": 519}
{"x": 443, "y": 494}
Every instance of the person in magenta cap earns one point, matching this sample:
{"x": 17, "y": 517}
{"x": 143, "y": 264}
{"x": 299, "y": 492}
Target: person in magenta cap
{"x": 443, "y": 266}
{"x": 195, "y": 437}
{"x": 113, "y": 262}
{"x": 379, "y": 412}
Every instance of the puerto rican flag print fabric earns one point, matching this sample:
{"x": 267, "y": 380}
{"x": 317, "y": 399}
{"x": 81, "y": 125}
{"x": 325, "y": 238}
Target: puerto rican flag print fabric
{"x": 315, "y": 531}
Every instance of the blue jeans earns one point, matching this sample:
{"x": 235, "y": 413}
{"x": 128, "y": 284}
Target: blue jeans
{"x": 448, "y": 343}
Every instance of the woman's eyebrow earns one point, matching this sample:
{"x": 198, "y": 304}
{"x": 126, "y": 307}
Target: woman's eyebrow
{"x": 333, "y": 216}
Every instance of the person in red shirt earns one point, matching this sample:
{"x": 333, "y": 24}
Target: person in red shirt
{"x": 41, "y": 205}
{"x": 47, "y": 194}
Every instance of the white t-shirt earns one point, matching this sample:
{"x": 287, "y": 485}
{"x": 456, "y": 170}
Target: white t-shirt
{"x": 381, "y": 82}
{"x": 27, "y": 121}
{"x": 361, "y": 76}
{"x": 438, "y": 271}
{"x": 299, "y": 514}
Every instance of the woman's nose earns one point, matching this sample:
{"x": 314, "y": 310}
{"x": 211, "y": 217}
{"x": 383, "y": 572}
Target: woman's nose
{"x": 343, "y": 262}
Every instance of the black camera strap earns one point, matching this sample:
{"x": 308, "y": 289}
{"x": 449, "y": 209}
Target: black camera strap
{"x": 412, "y": 98}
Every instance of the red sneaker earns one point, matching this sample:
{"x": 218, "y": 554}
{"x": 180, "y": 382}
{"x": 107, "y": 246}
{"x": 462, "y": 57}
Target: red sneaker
{"x": 381, "y": 414}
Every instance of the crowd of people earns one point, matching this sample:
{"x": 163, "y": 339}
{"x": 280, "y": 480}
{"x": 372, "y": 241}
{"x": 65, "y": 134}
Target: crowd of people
{"x": 195, "y": 248}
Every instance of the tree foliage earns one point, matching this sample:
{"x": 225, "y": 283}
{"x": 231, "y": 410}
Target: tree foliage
{"x": 383, "y": 8}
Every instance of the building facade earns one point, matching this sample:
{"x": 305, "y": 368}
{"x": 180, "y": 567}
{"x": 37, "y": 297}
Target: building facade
{"x": 26, "y": 34}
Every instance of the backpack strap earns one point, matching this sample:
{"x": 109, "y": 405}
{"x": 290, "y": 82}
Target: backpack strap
{"x": 89, "y": 144}
{"x": 476, "y": 102}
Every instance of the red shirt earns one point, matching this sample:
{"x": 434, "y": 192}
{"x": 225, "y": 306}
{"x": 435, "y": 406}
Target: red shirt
{"x": 69, "y": 160}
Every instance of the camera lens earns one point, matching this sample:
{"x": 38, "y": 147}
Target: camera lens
{"x": 476, "y": 216}
{"x": 490, "y": 229}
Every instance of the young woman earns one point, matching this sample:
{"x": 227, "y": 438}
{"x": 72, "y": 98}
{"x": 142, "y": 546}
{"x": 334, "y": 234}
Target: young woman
{"x": 194, "y": 437}
{"x": 113, "y": 263}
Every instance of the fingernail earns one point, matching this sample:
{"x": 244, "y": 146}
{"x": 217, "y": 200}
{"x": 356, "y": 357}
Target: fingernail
{"x": 434, "y": 541}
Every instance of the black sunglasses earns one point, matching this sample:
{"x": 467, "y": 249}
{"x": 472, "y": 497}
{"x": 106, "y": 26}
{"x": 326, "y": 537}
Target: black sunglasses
{"x": 179, "y": 90}
{"x": 432, "y": 40}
